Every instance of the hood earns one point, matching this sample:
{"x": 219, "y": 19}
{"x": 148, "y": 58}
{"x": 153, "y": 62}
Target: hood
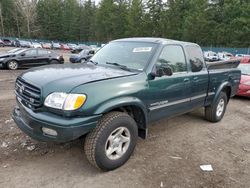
{"x": 244, "y": 78}
{"x": 7, "y": 55}
{"x": 66, "y": 77}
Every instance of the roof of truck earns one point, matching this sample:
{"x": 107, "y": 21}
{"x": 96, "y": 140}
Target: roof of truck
{"x": 155, "y": 40}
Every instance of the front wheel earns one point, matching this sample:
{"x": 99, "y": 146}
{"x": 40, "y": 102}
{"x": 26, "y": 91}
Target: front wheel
{"x": 12, "y": 65}
{"x": 52, "y": 62}
{"x": 83, "y": 60}
{"x": 216, "y": 111}
{"x": 112, "y": 142}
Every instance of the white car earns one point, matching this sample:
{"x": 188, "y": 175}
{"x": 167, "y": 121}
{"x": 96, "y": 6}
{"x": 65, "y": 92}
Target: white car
{"x": 36, "y": 45}
{"x": 224, "y": 56}
{"x": 210, "y": 56}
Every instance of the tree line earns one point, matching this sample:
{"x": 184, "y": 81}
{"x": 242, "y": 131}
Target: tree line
{"x": 206, "y": 22}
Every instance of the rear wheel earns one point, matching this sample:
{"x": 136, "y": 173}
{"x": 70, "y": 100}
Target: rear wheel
{"x": 83, "y": 60}
{"x": 216, "y": 111}
{"x": 54, "y": 62}
{"x": 112, "y": 142}
{"x": 12, "y": 65}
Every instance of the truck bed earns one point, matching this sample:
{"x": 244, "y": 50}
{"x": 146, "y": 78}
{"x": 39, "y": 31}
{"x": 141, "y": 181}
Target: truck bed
{"x": 232, "y": 63}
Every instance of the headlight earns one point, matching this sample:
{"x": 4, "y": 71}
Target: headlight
{"x": 1, "y": 59}
{"x": 65, "y": 101}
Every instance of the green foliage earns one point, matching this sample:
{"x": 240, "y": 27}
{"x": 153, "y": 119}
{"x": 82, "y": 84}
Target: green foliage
{"x": 213, "y": 22}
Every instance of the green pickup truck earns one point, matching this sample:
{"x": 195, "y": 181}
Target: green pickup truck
{"x": 114, "y": 96}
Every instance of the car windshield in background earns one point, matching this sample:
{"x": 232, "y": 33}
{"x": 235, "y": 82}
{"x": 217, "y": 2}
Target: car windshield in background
{"x": 134, "y": 55}
{"x": 245, "y": 69}
{"x": 84, "y": 52}
{"x": 15, "y": 50}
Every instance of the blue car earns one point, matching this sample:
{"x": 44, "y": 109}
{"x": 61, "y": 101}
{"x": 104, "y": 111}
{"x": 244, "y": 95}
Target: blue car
{"x": 83, "y": 56}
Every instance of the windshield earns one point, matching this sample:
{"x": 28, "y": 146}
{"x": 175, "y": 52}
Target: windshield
{"x": 245, "y": 68}
{"x": 134, "y": 55}
{"x": 14, "y": 50}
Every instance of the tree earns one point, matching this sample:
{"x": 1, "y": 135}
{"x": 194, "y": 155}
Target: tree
{"x": 50, "y": 19}
{"x": 87, "y": 21}
{"x": 135, "y": 19}
{"x": 27, "y": 9}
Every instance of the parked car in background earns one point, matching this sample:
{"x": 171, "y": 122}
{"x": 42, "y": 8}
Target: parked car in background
{"x": 22, "y": 43}
{"x": 64, "y": 47}
{"x": 72, "y": 46}
{"x": 29, "y": 58}
{"x": 244, "y": 88}
{"x": 46, "y": 45}
{"x": 224, "y": 56}
{"x": 55, "y": 45}
{"x": 1, "y": 43}
{"x": 210, "y": 56}
{"x": 79, "y": 48}
{"x": 82, "y": 57}
{"x": 36, "y": 45}
{"x": 7, "y": 42}
{"x": 245, "y": 60}
{"x": 242, "y": 55}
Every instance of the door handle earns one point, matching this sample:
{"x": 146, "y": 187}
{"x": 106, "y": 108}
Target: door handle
{"x": 195, "y": 78}
{"x": 186, "y": 80}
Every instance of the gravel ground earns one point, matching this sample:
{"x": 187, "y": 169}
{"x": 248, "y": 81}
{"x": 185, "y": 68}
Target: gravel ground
{"x": 170, "y": 157}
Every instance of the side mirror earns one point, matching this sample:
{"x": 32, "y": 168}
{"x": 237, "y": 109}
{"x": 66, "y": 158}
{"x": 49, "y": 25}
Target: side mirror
{"x": 23, "y": 54}
{"x": 161, "y": 71}
{"x": 197, "y": 65}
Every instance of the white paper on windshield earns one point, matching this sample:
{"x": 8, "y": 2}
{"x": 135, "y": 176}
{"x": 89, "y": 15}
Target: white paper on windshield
{"x": 142, "y": 49}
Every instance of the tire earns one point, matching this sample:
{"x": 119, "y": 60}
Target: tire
{"x": 99, "y": 148}
{"x": 216, "y": 111}
{"x": 83, "y": 60}
{"x": 52, "y": 62}
{"x": 12, "y": 65}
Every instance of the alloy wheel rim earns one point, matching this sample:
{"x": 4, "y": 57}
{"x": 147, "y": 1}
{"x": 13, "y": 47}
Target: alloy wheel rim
{"x": 12, "y": 65}
{"x": 220, "y": 107}
{"x": 117, "y": 143}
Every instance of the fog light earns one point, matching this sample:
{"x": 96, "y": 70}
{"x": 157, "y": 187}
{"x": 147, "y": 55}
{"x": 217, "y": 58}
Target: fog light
{"x": 49, "y": 131}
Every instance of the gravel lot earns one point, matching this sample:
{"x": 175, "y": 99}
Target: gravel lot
{"x": 170, "y": 157}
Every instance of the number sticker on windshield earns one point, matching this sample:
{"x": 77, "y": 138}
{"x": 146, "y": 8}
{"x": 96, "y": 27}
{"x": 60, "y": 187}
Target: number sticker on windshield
{"x": 142, "y": 49}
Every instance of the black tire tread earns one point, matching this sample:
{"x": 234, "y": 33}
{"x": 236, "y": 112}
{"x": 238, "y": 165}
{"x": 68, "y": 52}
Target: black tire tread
{"x": 93, "y": 136}
{"x": 210, "y": 111}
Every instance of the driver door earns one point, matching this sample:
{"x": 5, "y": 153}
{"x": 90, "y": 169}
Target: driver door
{"x": 169, "y": 95}
{"x": 28, "y": 58}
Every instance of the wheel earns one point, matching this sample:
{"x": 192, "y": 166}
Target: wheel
{"x": 83, "y": 60}
{"x": 12, "y": 65}
{"x": 112, "y": 142}
{"x": 215, "y": 112}
{"x": 54, "y": 62}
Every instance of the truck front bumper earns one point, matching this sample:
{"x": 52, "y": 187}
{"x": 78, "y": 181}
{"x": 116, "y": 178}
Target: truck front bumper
{"x": 67, "y": 129}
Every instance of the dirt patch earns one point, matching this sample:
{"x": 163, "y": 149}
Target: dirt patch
{"x": 170, "y": 157}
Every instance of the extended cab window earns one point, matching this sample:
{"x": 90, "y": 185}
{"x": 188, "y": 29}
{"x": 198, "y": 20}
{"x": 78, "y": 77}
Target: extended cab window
{"x": 173, "y": 56}
{"x": 195, "y": 58}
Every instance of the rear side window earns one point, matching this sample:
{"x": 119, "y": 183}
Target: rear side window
{"x": 42, "y": 52}
{"x": 173, "y": 56}
{"x": 30, "y": 53}
{"x": 195, "y": 58}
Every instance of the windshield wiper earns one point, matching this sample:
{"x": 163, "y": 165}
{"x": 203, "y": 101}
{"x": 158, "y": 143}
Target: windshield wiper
{"x": 124, "y": 67}
{"x": 93, "y": 62}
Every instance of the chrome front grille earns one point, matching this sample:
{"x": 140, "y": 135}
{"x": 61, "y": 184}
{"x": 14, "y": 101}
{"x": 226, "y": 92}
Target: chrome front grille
{"x": 28, "y": 94}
